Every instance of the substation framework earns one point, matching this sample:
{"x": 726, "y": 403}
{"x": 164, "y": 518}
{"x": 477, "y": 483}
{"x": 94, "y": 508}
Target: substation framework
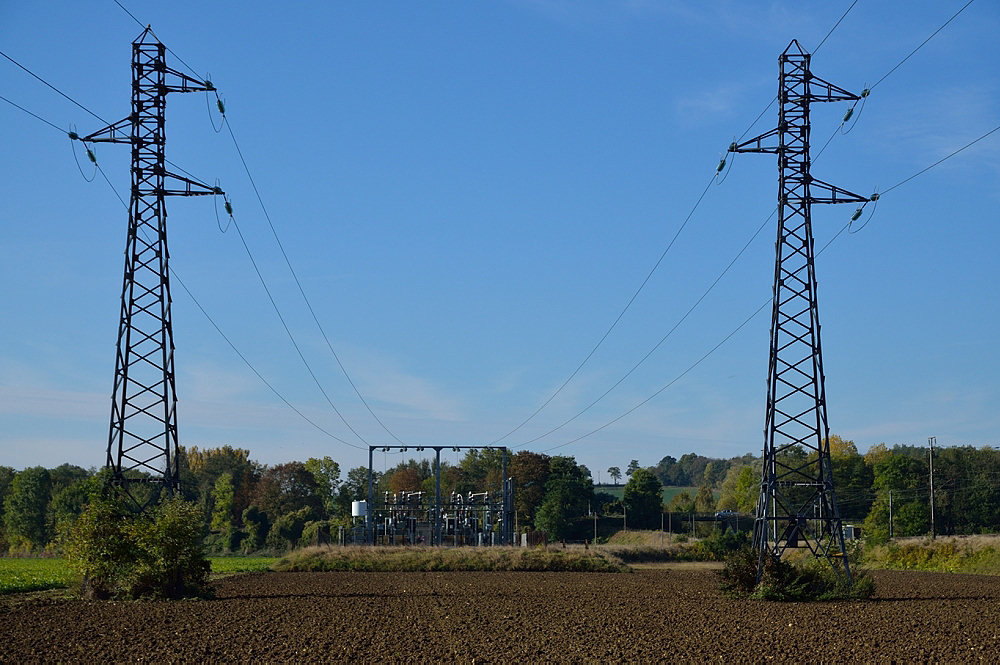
{"x": 411, "y": 518}
{"x": 797, "y": 505}
{"x": 142, "y": 443}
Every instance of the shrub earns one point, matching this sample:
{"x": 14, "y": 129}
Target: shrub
{"x": 116, "y": 554}
{"x": 810, "y": 579}
{"x": 720, "y": 545}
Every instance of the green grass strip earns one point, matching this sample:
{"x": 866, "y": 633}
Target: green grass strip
{"x": 28, "y": 574}
{"x": 428, "y": 559}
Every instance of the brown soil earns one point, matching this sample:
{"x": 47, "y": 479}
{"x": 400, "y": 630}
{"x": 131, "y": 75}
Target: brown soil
{"x": 649, "y": 616}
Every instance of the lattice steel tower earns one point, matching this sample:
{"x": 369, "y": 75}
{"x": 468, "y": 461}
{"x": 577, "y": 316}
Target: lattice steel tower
{"x": 797, "y": 506}
{"x": 143, "y": 433}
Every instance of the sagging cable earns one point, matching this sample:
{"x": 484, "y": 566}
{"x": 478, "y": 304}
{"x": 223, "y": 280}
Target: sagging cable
{"x": 850, "y": 113}
{"x": 218, "y": 103}
{"x": 226, "y": 204}
{"x": 857, "y": 214}
{"x": 723, "y": 162}
{"x": 73, "y": 137}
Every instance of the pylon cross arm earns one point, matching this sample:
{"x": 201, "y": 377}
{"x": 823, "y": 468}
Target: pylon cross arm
{"x": 756, "y": 144}
{"x": 833, "y": 193}
{"x": 118, "y": 132}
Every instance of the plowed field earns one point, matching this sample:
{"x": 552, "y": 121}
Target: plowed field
{"x": 647, "y": 616}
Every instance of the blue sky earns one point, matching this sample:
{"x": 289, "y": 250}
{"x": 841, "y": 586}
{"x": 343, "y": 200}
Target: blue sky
{"x": 471, "y": 192}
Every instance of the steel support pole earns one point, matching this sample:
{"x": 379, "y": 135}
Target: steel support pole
{"x": 504, "y": 500}
{"x": 370, "y": 508}
{"x": 437, "y": 495}
{"x": 143, "y": 445}
{"x": 797, "y": 477}
{"x": 930, "y": 443}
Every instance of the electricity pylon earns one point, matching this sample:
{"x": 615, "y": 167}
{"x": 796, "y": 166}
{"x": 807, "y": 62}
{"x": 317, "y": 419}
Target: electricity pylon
{"x": 142, "y": 444}
{"x": 797, "y": 506}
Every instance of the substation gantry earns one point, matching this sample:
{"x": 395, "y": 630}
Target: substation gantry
{"x": 797, "y": 505}
{"x": 415, "y": 517}
{"x": 142, "y": 443}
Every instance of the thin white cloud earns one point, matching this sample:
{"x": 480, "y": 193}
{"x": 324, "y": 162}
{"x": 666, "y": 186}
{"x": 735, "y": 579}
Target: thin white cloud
{"x": 53, "y": 403}
{"x": 404, "y": 394}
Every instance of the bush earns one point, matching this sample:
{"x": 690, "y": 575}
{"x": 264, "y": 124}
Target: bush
{"x": 720, "y": 544}
{"x": 116, "y": 554}
{"x": 811, "y": 579}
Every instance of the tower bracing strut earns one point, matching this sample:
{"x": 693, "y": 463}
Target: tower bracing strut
{"x": 797, "y": 506}
{"x": 142, "y": 444}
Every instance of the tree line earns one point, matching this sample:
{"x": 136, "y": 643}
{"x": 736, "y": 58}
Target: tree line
{"x": 249, "y": 506}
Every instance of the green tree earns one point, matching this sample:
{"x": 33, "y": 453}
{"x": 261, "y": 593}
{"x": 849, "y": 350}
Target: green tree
{"x": 6, "y": 478}
{"x": 704, "y": 502}
{"x": 222, "y": 497}
{"x": 906, "y": 477}
{"x": 200, "y": 470}
{"x": 326, "y": 472}
{"x": 286, "y": 531}
{"x": 632, "y": 466}
{"x": 26, "y": 509}
{"x": 530, "y": 472}
{"x": 285, "y": 488}
{"x": 642, "y": 500}
{"x": 257, "y": 526}
{"x": 740, "y": 489}
{"x": 68, "y": 503}
{"x": 568, "y": 491}
{"x": 681, "y": 503}
{"x": 481, "y": 470}
{"x": 615, "y": 473}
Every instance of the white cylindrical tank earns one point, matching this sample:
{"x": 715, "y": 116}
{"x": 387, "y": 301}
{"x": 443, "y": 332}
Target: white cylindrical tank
{"x": 359, "y": 508}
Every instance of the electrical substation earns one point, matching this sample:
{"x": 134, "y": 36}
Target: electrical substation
{"x": 420, "y": 517}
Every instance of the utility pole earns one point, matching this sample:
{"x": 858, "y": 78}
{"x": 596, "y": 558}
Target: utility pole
{"x": 796, "y": 418}
{"x": 142, "y": 443}
{"x": 931, "y": 440}
{"x": 890, "y": 513}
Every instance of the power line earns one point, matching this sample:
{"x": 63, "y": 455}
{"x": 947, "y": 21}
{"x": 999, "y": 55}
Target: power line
{"x": 138, "y": 22}
{"x": 291, "y": 336}
{"x": 60, "y": 92}
{"x": 57, "y": 90}
{"x": 867, "y": 91}
{"x": 144, "y": 26}
{"x": 662, "y": 339}
{"x": 840, "y": 232}
{"x": 236, "y": 350}
{"x": 33, "y": 115}
{"x": 643, "y": 284}
{"x": 815, "y": 50}
{"x": 672, "y": 381}
{"x": 254, "y": 369}
{"x": 835, "y": 25}
{"x": 205, "y": 312}
{"x": 955, "y": 15}
{"x": 301, "y": 289}
{"x": 943, "y": 159}
{"x": 618, "y": 318}
{"x": 699, "y": 360}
